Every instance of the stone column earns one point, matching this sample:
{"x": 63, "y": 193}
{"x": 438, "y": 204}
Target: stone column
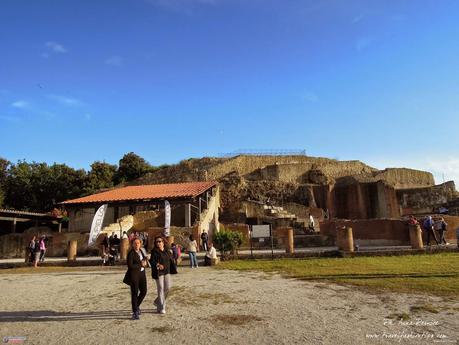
{"x": 345, "y": 239}
{"x": 71, "y": 250}
{"x": 124, "y": 248}
{"x": 187, "y": 215}
{"x": 416, "y": 237}
{"x": 290, "y": 247}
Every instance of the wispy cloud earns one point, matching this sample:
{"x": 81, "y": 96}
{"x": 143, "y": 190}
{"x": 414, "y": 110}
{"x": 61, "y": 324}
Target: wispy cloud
{"x": 182, "y": 6}
{"x": 65, "y": 100}
{"x": 363, "y": 43}
{"x": 114, "y": 60}
{"x": 55, "y": 47}
{"x": 310, "y": 97}
{"x": 20, "y": 104}
{"x": 11, "y": 119}
{"x": 358, "y": 18}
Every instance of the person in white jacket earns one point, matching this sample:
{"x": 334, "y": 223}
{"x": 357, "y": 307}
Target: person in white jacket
{"x": 210, "y": 254}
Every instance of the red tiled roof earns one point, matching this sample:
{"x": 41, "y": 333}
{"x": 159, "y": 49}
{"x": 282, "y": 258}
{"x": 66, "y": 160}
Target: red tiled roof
{"x": 147, "y": 192}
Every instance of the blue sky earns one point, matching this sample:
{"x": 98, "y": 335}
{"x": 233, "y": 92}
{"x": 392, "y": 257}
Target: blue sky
{"x": 376, "y": 81}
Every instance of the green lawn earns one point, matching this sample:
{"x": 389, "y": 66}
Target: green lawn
{"x": 436, "y": 274}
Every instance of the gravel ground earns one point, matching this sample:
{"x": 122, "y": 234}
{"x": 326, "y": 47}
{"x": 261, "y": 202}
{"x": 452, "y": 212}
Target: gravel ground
{"x": 210, "y": 306}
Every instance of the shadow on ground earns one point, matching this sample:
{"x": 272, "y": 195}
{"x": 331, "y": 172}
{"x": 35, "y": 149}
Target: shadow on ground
{"x": 49, "y": 315}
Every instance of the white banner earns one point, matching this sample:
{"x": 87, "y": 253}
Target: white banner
{"x": 167, "y": 218}
{"x": 97, "y": 224}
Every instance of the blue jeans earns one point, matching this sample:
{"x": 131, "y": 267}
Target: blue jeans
{"x": 193, "y": 259}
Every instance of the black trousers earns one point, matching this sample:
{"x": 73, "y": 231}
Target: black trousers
{"x": 138, "y": 291}
{"x": 430, "y": 232}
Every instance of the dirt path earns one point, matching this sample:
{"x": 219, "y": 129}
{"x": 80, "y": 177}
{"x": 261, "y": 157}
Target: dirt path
{"x": 209, "y": 306}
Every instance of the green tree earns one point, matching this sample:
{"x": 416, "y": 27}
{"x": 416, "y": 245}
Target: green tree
{"x": 37, "y": 186}
{"x": 99, "y": 177}
{"x": 131, "y": 167}
{"x": 4, "y": 165}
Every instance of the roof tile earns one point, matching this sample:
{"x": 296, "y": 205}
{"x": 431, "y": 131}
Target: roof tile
{"x": 147, "y": 192}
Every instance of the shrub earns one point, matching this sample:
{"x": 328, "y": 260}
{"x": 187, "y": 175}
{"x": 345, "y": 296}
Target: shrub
{"x": 227, "y": 241}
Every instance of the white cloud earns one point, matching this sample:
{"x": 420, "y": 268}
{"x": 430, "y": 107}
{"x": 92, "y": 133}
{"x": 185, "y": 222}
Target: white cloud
{"x": 310, "y": 97}
{"x": 20, "y": 104}
{"x": 114, "y": 60}
{"x": 65, "y": 100}
{"x": 55, "y": 47}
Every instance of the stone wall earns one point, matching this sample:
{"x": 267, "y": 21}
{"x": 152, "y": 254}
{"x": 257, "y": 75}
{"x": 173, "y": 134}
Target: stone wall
{"x": 355, "y": 200}
{"x": 383, "y": 231}
{"x": 425, "y": 200}
{"x": 371, "y": 231}
{"x": 406, "y": 178}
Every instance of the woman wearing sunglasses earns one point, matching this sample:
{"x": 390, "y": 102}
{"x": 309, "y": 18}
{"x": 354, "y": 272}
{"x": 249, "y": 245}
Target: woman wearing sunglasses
{"x": 135, "y": 276}
{"x": 160, "y": 269}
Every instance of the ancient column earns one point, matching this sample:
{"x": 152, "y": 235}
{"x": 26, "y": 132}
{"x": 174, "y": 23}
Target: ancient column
{"x": 290, "y": 248}
{"x": 416, "y": 236}
{"x": 124, "y": 248}
{"x": 345, "y": 239}
{"x": 71, "y": 250}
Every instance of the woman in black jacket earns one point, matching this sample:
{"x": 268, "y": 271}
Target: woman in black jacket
{"x": 135, "y": 276}
{"x": 160, "y": 269}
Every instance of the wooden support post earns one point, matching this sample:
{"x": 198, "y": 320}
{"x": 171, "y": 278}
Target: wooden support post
{"x": 71, "y": 251}
{"x": 124, "y": 248}
{"x": 290, "y": 246}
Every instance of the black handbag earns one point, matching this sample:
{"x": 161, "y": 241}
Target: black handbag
{"x": 173, "y": 267}
{"x": 127, "y": 278}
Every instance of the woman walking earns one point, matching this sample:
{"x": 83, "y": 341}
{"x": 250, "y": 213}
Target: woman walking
{"x": 160, "y": 270}
{"x": 135, "y": 276}
{"x": 192, "y": 249}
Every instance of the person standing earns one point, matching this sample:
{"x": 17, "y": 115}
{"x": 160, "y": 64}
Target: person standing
{"x": 429, "y": 228}
{"x": 205, "y": 240}
{"x": 442, "y": 228}
{"x": 311, "y": 223}
{"x": 192, "y": 249}
{"x": 135, "y": 276}
{"x": 31, "y": 249}
{"x": 160, "y": 261}
{"x": 42, "y": 248}
{"x": 36, "y": 253}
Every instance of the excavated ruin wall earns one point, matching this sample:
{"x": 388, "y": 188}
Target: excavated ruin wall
{"x": 425, "y": 200}
{"x": 406, "y": 178}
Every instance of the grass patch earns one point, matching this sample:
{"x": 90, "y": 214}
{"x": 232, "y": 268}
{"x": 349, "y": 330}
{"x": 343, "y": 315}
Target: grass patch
{"x": 189, "y": 297}
{"x": 436, "y": 274}
{"x": 426, "y": 307}
{"x": 235, "y": 320}
{"x": 399, "y": 316}
{"x": 162, "y": 329}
